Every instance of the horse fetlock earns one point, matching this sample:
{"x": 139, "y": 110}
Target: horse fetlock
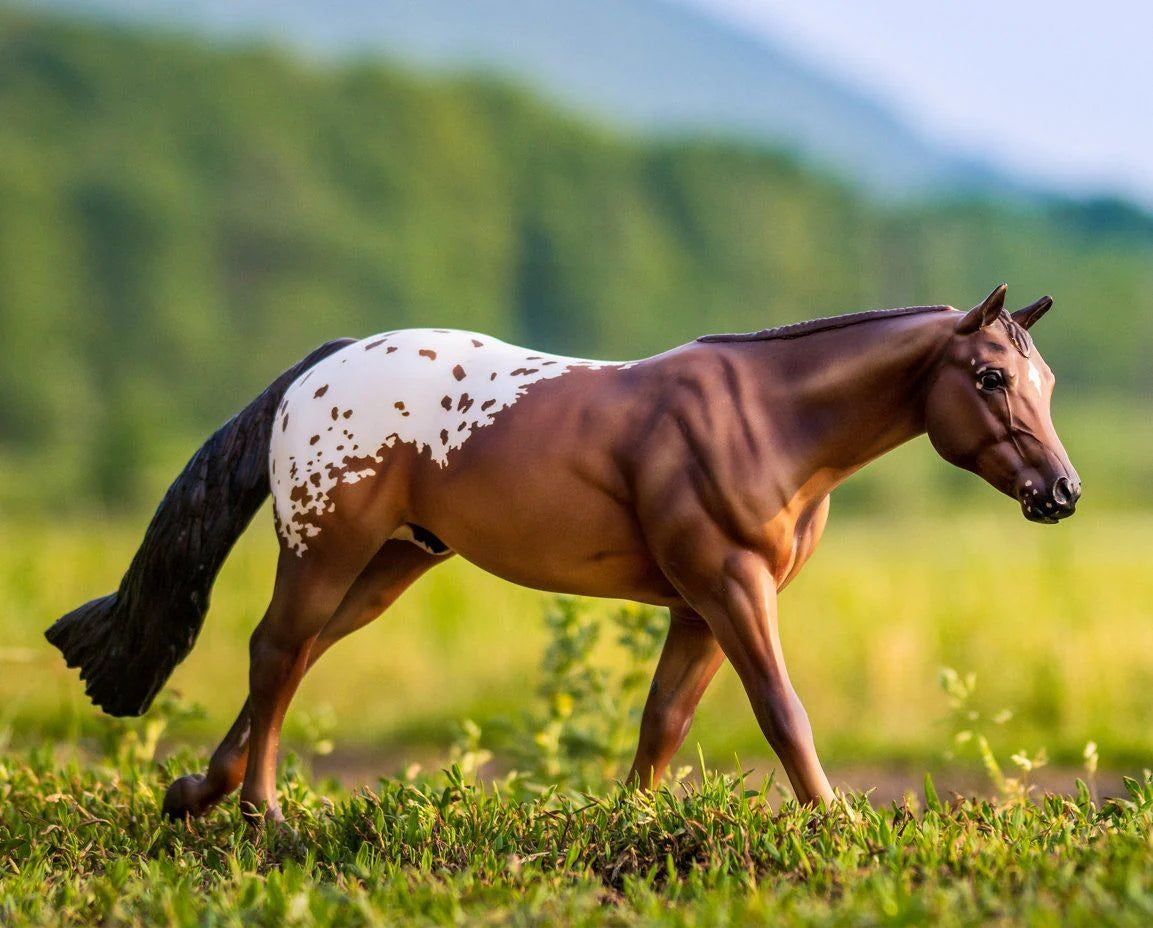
{"x": 260, "y": 813}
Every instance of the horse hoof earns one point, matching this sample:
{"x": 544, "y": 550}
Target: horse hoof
{"x": 185, "y": 798}
{"x": 259, "y": 815}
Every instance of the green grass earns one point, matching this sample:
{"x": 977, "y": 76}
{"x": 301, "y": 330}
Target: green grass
{"x": 85, "y": 845}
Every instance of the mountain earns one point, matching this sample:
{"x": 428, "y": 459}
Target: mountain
{"x": 652, "y": 66}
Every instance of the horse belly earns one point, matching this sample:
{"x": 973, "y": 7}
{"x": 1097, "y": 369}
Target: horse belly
{"x": 537, "y": 498}
{"x": 588, "y": 546}
{"x": 552, "y": 562}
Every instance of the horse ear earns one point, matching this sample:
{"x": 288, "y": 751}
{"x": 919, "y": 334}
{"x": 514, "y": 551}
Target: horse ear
{"x": 985, "y": 313}
{"x": 1031, "y": 313}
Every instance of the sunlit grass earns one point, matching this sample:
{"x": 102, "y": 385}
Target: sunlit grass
{"x": 87, "y": 846}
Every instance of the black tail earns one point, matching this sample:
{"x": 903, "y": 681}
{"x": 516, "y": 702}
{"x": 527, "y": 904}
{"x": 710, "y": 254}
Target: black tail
{"x": 127, "y": 644}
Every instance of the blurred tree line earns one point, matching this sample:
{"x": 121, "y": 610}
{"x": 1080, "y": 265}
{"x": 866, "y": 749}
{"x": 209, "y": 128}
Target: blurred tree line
{"x": 179, "y": 222}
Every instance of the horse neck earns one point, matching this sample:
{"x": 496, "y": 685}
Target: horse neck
{"x": 858, "y": 392}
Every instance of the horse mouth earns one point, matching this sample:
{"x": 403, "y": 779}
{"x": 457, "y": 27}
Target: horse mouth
{"x": 1044, "y": 514}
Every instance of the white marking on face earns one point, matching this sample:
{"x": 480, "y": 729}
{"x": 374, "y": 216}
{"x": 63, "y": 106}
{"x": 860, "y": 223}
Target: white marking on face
{"x": 1035, "y": 378}
{"x": 430, "y": 388}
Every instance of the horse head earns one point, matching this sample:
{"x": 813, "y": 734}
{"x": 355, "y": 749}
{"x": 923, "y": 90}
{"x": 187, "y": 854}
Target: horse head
{"x": 988, "y": 409}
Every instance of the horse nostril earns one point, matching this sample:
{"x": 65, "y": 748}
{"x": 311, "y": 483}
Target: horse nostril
{"x": 1064, "y": 492}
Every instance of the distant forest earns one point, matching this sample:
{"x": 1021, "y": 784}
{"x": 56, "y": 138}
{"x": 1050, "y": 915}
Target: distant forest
{"x": 179, "y": 222}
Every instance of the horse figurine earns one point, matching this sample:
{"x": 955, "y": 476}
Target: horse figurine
{"x": 697, "y": 480}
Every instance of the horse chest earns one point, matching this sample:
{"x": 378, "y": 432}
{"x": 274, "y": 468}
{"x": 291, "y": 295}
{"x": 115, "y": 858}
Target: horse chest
{"x": 805, "y": 538}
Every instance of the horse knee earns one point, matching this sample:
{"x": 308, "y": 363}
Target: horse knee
{"x": 273, "y": 660}
{"x": 289, "y": 627}
{"x": 268, "y": 649}
{"x": 666, "y": 725}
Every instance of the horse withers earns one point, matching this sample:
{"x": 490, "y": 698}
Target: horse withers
{"x": 697, "y": 480}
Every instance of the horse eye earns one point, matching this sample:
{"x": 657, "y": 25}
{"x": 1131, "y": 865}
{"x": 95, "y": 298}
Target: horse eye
{"x": 990, "y": 380}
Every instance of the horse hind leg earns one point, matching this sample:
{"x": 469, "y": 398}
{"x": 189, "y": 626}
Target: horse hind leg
{"x": 395, "y": 567}
{"x": 192, "y": 795}
{"x": 689, "y": 660}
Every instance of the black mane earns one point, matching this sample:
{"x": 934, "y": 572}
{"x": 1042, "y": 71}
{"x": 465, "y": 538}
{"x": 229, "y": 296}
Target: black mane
{"x": 798, "y": 329}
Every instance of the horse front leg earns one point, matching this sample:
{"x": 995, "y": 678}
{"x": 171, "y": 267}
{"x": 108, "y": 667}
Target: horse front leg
{"x": 736, "y": 593}
{"x": 688, "y": 662}
{"x": 746, "y": 627}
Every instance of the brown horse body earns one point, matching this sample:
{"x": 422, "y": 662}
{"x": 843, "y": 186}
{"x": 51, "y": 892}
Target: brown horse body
{"x": 698, "y": 480}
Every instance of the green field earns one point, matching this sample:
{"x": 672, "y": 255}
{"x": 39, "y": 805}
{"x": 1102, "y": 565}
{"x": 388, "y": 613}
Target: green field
{"x": 1056, "y": 623}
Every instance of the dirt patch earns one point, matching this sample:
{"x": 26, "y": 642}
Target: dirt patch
{"x": 353, "y": 768}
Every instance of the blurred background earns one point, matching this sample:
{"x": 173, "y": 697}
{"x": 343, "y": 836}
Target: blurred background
{"x": 194, "y": 193}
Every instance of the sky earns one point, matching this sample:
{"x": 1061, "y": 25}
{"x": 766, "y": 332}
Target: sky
{"x": 1059, "y": 91}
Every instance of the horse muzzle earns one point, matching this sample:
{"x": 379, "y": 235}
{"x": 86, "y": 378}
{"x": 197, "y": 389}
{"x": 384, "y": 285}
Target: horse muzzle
{"x": 1049, "y": 506}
